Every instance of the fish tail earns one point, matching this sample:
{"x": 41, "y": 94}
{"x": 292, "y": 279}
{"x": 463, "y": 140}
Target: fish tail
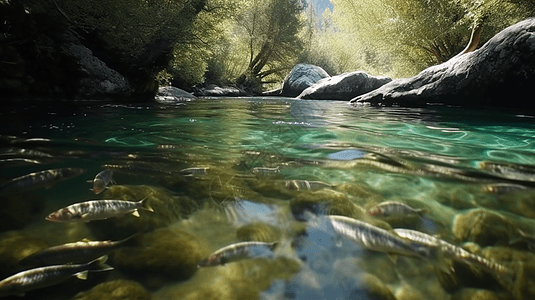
{"x": 423, "y": 211}
{"x": 129, "y": 241}
{"x": 99, "y": 265}
{"x": 145, "y": 203}
{"x": 435, "y": 255}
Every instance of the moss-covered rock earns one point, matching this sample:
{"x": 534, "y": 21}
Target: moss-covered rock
{"x": 167, "y": 209}
{"x": 520, "y": 281}
{"x": 260, "y": 232}
{"x": 241, "y": 280}
{"x": 484, "y": 228}
{"x": 14, "y": 246}
{"x": 324, "y": 202}
{"x": 115, "y": 290}
{"x": 372, "y": 288}
{"x": 163, "y": 253}
{"x": 475, "y": 294}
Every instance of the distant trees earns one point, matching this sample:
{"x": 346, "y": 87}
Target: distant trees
{"x": 410, "y": 35}
{"x": 270, "y": 29}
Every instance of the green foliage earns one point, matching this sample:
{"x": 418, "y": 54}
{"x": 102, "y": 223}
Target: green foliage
{"x": 401, "y": 37}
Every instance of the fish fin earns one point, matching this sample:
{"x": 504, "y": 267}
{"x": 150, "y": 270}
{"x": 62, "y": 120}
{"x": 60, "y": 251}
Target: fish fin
{"x": 85, "y": 240}
{"x": 129, "y": 241}
{"x": 99, "y": 264}
{"x": 82, "y": 275}
{"x": 393, "y": 258}
{"x": 89, "y": 181}
{"x": 436, "y": 256}
{"x": 145, "y": 203}
{"x": 21, "y": 294}
{"x": 423, "y": 211}
{"x": 136, "y": 213}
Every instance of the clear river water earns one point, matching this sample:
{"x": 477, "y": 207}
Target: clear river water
{"x": 217, "y": 172}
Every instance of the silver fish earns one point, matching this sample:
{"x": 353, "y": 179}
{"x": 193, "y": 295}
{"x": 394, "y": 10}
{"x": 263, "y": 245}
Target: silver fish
{"x": 101, "y": 181}
{"x": 452, "y": 251}
{"x": 138, "y": 168}
{"x": 261, "y": 171}
{"x": 237, "y": 252}
{"x": 77, "y": 252}
{"x": 306, "y": 185}
{"x": 194, "y": 171}
{"x": 394, "y": 208}
{"x": 98, "y": 210}
{"x": 46, "y": 178}
{"x": 381, "y": 240}
{"x": 503, "y": 188}
{"x": 22, "y": 282}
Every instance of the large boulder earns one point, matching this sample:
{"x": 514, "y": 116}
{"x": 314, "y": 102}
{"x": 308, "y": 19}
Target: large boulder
{"x": 301, "y": 77}
{"x": 502, "y": 69}
{"x": 171, "y": 94}
{"x": 344, "y": 87}
{"x": 97, "y": 80}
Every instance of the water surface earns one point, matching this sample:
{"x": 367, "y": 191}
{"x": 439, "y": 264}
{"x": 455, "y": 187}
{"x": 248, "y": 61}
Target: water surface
{"x": 476, "y": 164}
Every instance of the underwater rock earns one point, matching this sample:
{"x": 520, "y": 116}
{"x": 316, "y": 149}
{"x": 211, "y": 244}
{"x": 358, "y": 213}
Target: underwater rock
{"x": 167, "y": 209}
{"x": 324, "y": 202}
{"x": 457, "y": 198}
{"x": 19, "y": 210}
{"x": 171, "y": 94}
{"x": 165, "y": 252}
{"x": 522, "y": 265}
{"x": 475, "y": 294}
{"x": 115, "y": 290}
{"x": 407, "y": 292}
{"x": 344, "y": 87}
{"x": 503, "y": 68}
{"x": 301, "y": 77}
{"x": 242, "y": 280}
{"x": 484, "y": 228}
{"x": 14, "y": 246}
{"x": 372, "y": 288}
{"x": 259, "y": 232}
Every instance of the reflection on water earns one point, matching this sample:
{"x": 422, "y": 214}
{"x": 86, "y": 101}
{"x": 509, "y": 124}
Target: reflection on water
{"x": 219, "y": 172}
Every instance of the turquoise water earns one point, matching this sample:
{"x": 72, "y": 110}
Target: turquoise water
{"x": 472, "y": 171}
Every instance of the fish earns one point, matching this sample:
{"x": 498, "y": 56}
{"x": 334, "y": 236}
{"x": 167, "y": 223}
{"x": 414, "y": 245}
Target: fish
{"x": 261, "y": 171}
{"x": 509, "y": 171}
{"x": 37, "y": 278}
{"x": 77, "y": 252}
{"x": 46, "y": 179}
{"x": 98, "y": 210}
{"x": 525, "y": 237}
{"x": 306, "y": 185}
{"x": 503, "y": 188}
{"x": 394, "y": 208}
{"x": 194, "y": 171}
{"x": 238, "y": 251}
{"x": 138, "y": 168}
{"x": 101, "y": 181}
{"x": 381, "y": 240}
{"x": 452, "y": 251}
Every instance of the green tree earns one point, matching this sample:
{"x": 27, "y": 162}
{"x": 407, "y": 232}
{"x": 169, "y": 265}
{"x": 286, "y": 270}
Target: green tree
{"x": 271, "y": 30}
{"x": 414, "y": 34}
